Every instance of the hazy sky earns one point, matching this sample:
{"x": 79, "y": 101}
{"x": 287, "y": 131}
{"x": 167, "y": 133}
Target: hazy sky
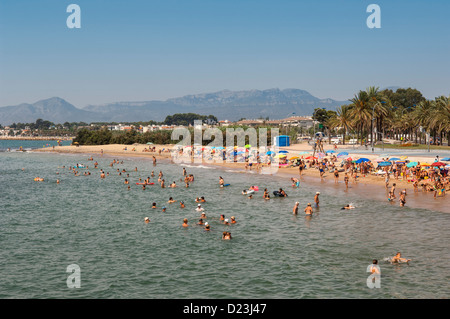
{"x": 146, "y": 50}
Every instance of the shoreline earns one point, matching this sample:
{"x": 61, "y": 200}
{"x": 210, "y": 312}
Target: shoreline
{"x": 368, "y": 186}
{"x": 35, "y": 138}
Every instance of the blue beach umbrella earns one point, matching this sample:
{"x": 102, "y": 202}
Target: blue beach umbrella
{"x": 394, "y": 159}
{"x": 342, "y": 154}
{"x": 285, "y": 152}
{"x": 385, "y": 164}
{"x": 270, "y": 153}
{"x": 362, "y": 160}
{"x": 446, "y": 159}
{"x": 411, "y": 164}
{"x": 330, "y": 151}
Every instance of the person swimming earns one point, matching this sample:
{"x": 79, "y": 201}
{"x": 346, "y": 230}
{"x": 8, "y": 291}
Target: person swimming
{"x": 171, "y": 200}
{"x": 185, "y": 223}
{"x": 226, "y": 235}
{"x": 399, "y": 259}
{"x": 199, "y": 208}
{"x": 146, "y": 220}
{"x": 348, "y": 206}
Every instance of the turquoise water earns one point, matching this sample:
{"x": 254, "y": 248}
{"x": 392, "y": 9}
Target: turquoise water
{"x": 99, "y": 225}
{"x": 29, "y": 144}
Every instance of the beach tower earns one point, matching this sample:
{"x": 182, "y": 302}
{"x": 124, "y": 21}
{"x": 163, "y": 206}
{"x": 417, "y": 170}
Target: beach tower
{"x": 281, "y": 140}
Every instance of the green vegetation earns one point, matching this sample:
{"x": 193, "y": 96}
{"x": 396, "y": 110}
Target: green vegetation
{"x": 105, "y": 136}
{"x": 187, "y": 119}
{"x": 403, "y": 115}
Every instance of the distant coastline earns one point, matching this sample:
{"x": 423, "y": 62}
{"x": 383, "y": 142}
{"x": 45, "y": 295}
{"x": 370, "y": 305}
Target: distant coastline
{"x": 36, "y": 138}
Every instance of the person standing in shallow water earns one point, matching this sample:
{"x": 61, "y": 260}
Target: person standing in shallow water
{"x": 295, "y": 209}
{"x": 316, "y": 199}
{"x": 308, "y": 210}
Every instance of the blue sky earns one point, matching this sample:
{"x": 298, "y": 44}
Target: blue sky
{"x": 148, "y": 50}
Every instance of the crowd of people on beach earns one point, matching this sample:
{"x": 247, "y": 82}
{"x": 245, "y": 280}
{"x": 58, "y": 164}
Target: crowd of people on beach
{"x": 431, "y": 177}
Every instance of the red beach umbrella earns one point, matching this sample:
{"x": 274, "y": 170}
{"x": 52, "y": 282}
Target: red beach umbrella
{"x": 438, "y": 164}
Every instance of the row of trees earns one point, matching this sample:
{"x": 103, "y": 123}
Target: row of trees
{"x": 404, "y": 113}
{"x": 105, "y": 136}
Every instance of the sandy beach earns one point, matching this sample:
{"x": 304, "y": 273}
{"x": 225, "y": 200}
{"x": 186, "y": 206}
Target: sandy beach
{"x": 120, "y": 150}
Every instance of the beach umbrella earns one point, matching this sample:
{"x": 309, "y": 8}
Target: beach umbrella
{"x": 403, "y": 157}
{"x": 438, "y": 164}
{"x": 248, "y": 146}
{"x": 446, "y": 159}
{"x": 311, "y": 157}
{"x": 280, "y": 155}
{"x": 342, "y": 154}
{"x": 240, "y": 152}
{"x": 283, "y": 152}
{"x": 303, "y": 153}
{"x": 411, "y": 164}
{"x": 424, "y": 164}
{"x": 362, "y": 160}
{"x": 384, "y": 164}
{"x": 270, "y": 153}
{"x": 293, "y": 157}
{"x": 394, "y": 159}
{"x": 330, "y": 151}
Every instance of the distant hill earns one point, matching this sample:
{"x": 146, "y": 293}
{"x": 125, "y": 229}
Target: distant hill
{"x": 231, "y": 105}
{"x": 54, "y": 109}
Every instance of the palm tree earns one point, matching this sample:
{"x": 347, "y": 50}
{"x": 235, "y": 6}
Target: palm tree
{"x": 422, "y": 115}
{"x": 360, "y": 112}
{"x": 342, "y": 119}
{"x": 440, "y": 120}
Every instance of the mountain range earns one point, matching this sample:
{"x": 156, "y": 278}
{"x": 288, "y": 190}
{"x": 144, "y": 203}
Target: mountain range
{"x": 225, "y": 105}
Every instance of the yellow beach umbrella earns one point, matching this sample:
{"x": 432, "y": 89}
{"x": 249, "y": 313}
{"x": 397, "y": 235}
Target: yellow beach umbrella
{"x": 280, "y": 155}
{"x": 424, "y": 164}
{"x": 294, "y": 157}
{"x": 403, "y": 157}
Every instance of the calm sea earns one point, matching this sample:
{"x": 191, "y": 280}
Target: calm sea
{"x": 27, "y": 145}
{"x": 99, "y": 226}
